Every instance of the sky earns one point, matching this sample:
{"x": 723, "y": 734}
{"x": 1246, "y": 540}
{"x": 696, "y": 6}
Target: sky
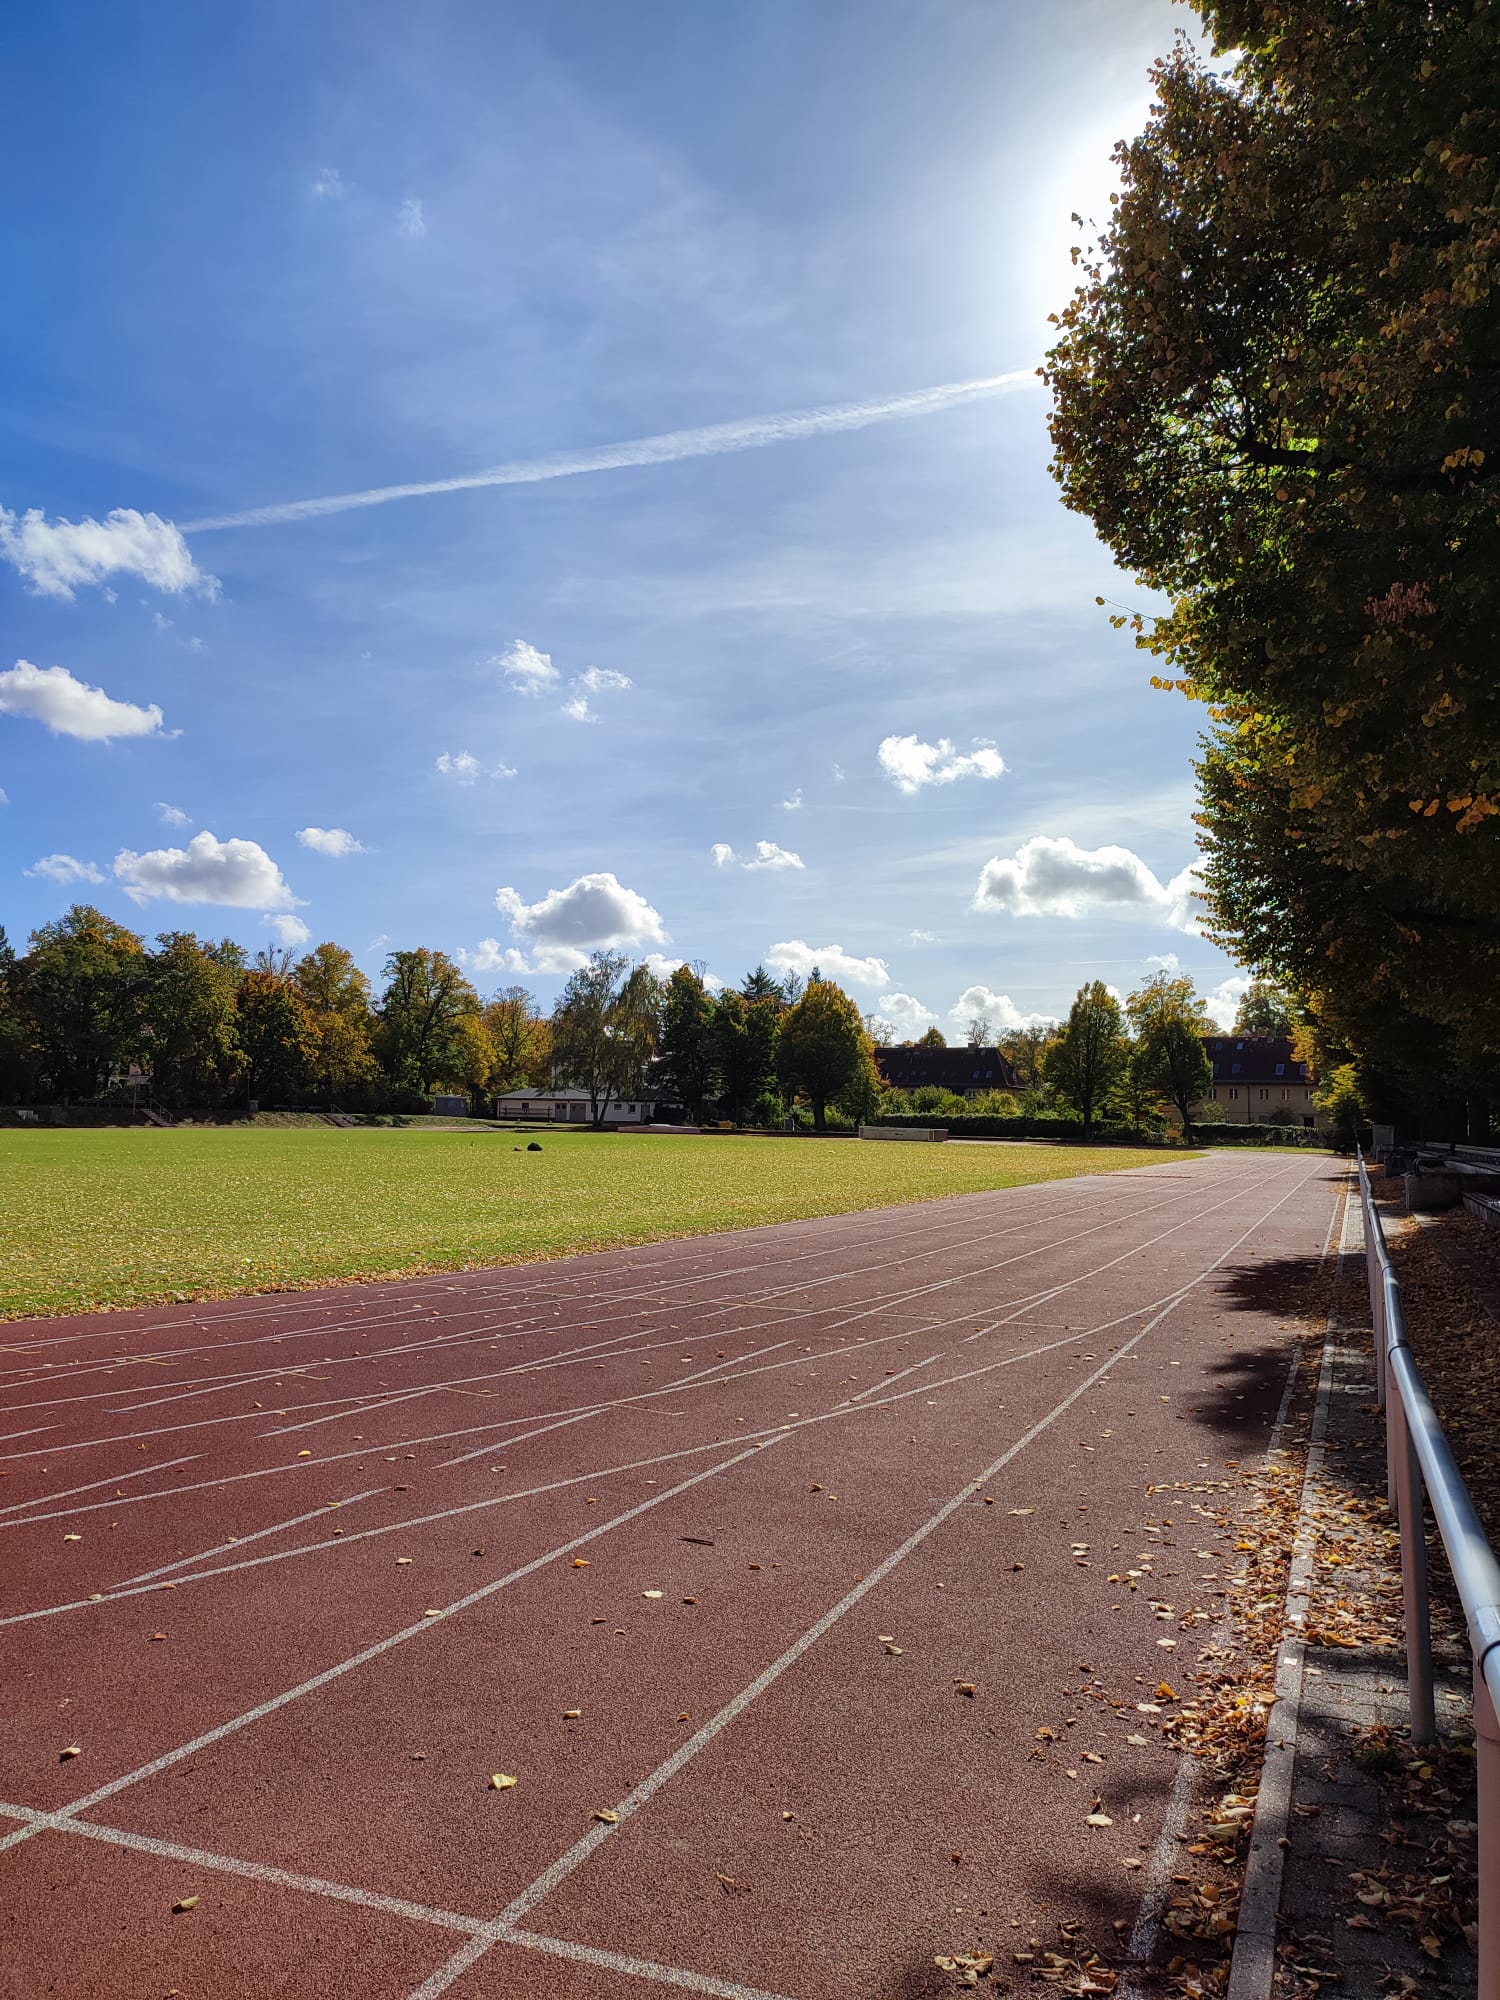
{"x": 519, "y": 478}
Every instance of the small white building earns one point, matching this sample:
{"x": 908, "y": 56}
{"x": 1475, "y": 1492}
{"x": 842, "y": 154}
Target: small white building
{"x": 570, "y": 1107}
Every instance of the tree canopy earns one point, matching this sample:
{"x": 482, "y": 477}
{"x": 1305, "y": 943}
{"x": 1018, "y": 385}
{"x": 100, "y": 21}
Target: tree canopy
{"x": 1275, "y": 394}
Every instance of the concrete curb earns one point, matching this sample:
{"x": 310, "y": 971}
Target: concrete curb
{"x": 1252, "y": 1970}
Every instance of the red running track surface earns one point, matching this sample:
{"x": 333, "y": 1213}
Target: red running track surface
{"x": 714, "y": 1537}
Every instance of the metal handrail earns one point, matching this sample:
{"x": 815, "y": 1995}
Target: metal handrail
{"x": 1420, "y": 1462}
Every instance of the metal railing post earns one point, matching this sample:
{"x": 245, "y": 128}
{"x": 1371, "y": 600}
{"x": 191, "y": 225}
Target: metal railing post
{"x": 1487, "y": 1748}
{"x": 1411, "y": 1525}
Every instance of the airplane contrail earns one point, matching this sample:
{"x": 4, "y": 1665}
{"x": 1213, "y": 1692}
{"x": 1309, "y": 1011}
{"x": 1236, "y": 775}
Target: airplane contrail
{"x": 746, "y": 434}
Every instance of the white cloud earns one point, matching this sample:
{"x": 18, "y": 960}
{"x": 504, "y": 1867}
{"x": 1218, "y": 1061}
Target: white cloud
{"x": 330, "y": 840}
{"x": 70, "y": 707}
{"x": 838, "y": 774}
{"x": 56, "y": 556}
{"x": 1164, "y": 961}
{"x": 603, "y": 680}
{"x": 329, "y": 185}
{"x": 489, "y": 955}
{"x": 464, "y": 767}
{"x": 906, "y": 1014}
{"x": 657, "y": 962}
{"x": 410, "y": 219}
{"x": 1050, "y": 877}
{"x": 593, "y": 911}
{"x": 831, "y": 960}
{"x": 528, "y": 670}
{"x": 794, "y": 803}
{"x": 1001, "y": 1011}
{"x": 289, "y": 929}
{"x": 162, "y": 624}
{"x": 4, "y": 796}
{"x": 237, "y": 873}
{"x": 172, "y": 815}
{"x": 62, "y": 868}
{"x": 769, "y": 855}
{"x": 910, "y": 763}
{"x": 578, "y": 709}
{"x": 1223, "y": 1003}
{"x": 921, "y": 937}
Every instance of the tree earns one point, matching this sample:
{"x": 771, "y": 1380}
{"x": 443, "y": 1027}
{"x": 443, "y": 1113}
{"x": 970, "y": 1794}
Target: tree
{"x": 605, "y": 1027}
{"x": 932, "y": 1038}
{"x": 745, "y": 1037}
{"x": 761, "y": 985}
{"x": 521, "y": 1038}
{"x": 475, "y": 1067}
{"x": 825, "y": 1054}
{"x": 879, "y": 1029}
{"x": 417, "y": 1040}
{"x": 189, "y": 1021}
{"x": 689, "y": 1045}
{"x": 78, "y": 990}
{"x": 1170, "y": 1022}
{"x": 16, "y": 1050}
{"x": 1025, "y": 1050}
{"x": 1342, "y": 1099}
{"x": 1275, "y": 397}
{"x": 336, "y": 994}
{"x": 981, "y": 1031}
{"x": 1088, "y": 1058}
{"x": 275, "y": 1034}
{"x": 1263, "y": 1010}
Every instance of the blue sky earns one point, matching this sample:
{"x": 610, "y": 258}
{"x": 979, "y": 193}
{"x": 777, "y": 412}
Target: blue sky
{"x": 841, "y": 693}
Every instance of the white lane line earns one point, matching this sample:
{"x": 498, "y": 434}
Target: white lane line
{"x": 487, "y": 1932}
{"x": 640, "y": 1795}
{"x": 592, "y": 1477}
{"x": 381, "y": 1646}
{"x": 256, "y": 1871}
{"x": 487, "y": 1330}
{"x": 115, "y": 1479}
{"x": 35, "y": 1431}
{"x": 886, "y": 1381}
{"x": 439, "y": 1437}
{"x": 239, "y": 1541}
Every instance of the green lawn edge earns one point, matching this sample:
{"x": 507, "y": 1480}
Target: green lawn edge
{"x": 113, "y": 1220}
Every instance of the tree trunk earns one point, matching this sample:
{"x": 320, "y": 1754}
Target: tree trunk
{"x": 820, "y": 1118}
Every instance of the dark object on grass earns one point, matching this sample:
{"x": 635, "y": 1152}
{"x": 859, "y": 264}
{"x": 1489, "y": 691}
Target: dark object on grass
{"x": 534, "y": 1147}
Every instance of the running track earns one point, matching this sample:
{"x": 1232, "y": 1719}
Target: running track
{"x": 297, "y": 1575}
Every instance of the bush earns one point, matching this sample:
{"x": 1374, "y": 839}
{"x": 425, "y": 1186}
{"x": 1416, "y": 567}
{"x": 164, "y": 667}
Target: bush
{"x": 1113, "y": 1135}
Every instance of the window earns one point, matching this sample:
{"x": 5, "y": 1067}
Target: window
{"x": 1234, "y": 1069}
{"x": 1233, "y": 1095}
{"x": 1281, "y": 1069}
{"x": 1265, "y": 1093}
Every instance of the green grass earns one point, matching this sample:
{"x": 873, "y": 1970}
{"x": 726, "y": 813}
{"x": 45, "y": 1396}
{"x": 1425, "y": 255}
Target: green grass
{"x": 126, "y": 1217}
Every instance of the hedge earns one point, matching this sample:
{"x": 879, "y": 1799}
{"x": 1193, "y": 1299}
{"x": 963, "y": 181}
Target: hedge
{"x": 1104, "y": 1135}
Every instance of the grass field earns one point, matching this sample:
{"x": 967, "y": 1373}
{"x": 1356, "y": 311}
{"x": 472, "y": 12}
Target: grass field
{"x": 126, "y": 1217}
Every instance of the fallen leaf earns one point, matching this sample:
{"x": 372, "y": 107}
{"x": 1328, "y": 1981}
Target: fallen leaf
{"x": 651, "y": 1593}
{"x": 732, "y": 1888}
{"x": 609, "y": 1818}
{"x": 1166, "y": 1693}
{"x": 301, "y": 1454}
{"x": 572, "y": 1714}
{"x": 1098, "y": 1819}
{"x": 580, "y": 1562}
{"x": 503, "y": 1782}
{"x": 183, "y": 1904}
{"x": 158, "y": 1635}
{"x": 1023, "y": 1510}
{"x": 1138, "y": 1739}
{"x": 72, "y": 1538}
{"x": 432, "y": 1614}
{"x": 970, "y": 1688}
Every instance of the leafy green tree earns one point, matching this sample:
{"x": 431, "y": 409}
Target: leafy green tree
{"x": 1275, "y": 397}
{"x": 689, "y": 1045}
{"x": 79, "y": 990}
{"x": 521, "y": 1038}
{"x": 932, "y": 1038}
{"x": 1025, "y": 1049}
{"x": 1086, "y": 1061}
{"x": 762, "y": 985}
{"x": 1264, "y": 1010}
{"x": 825, "y": 1054}
{"x": 1343, "y": 1102}
{"x": 417, "y": 1038}
{"x": 1170, "y": 1022}
{"x": 744, "y": 1037}
{"x": 277, "y": 1040}
{"x": 189, "y": 1021}
{"x": 336, "y": 994}
{"x": 17, "y": 1069}
{"x": 605, "y": 1029}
